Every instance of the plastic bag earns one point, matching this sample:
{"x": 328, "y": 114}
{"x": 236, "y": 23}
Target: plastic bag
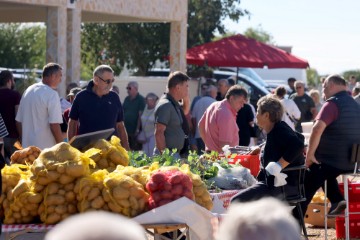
{"x": 233, "y": 178}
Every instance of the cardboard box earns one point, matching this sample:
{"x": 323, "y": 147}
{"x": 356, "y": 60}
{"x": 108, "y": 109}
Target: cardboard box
{"x": 316, "y": 217}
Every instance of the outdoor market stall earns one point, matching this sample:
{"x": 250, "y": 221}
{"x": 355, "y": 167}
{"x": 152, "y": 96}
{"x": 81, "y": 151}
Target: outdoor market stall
{"x": 61, "y": 181}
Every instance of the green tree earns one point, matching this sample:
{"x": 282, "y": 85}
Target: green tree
{"x": 356, "y": 73}
{"x": 139, "y": 45}
{"x": 313, "y": 78}
{"x": 259, "y": 34}
{"x": 206, "y": 17}
{"x": 22, "y": 45}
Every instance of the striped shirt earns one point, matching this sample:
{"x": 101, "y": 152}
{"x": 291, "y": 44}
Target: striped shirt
{"x": 3, "y": 130}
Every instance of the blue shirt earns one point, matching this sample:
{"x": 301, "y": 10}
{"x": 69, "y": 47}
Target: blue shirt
{"x": 96, "y": 113}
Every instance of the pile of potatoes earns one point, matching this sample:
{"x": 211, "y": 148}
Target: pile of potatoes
{"x": 111, "y": 154}
{"x": 25, "y": 156}
{"x": 11, "y": 175}
{"x": 90, "y": 192}
{"x": 124, "y": 195}
{"x": 24, "y": 204}
{"x": 54, "y": 174}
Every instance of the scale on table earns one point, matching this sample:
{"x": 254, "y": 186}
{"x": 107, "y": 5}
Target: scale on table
{"x": 85, "y": 141}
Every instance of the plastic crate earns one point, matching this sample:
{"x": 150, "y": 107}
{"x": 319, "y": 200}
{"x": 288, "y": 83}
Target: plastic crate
{"x": 354, "y": 191}
{"x": 354, "y": 226}
{"x": 251, "y": 162}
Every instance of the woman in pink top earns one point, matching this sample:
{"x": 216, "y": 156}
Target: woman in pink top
{"x": 218, "y": 126}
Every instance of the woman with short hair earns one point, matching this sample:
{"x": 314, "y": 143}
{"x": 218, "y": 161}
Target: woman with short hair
{"x": 284, "y": 148}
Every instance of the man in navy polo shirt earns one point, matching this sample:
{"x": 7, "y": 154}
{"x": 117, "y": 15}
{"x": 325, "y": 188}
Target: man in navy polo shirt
{"x": 97, "y": 108}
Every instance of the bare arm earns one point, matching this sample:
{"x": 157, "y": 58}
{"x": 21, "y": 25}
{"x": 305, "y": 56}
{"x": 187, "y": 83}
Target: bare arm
{"x": 314, "y": 141}
{"x": 202, "y": 127}
{"x": 186, "y": 105}
{"x": 160, "y": 137}
{"x": 56, "y": 132}
{"x": 283, "y": 163}
{"x": 123, "y": 135}
{"x": 19, "y": 129}
{"x": 72, "y": 128}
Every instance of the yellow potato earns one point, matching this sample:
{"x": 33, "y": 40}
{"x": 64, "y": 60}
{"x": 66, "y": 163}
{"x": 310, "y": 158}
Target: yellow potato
{"x": 94, "y": 192}
{"x": 24, "y": 212}
{"x": 53, "y": 218}
{"x": 75, "y": 170}
{"x": 43, "y": 180}
{"x": 35, "y": 198}
{"x": 61, "y": 209}
{"x": 70, "y": 196}
{"x": 97, "y": 203}
{"x": 66, "y": 179}
{"x": 53, "y": 188}
{"x": 54, "y": 199}
{"x": 120, "y": 193}
{"x": 31, "y": 206}
{"x": 53, "y": 175}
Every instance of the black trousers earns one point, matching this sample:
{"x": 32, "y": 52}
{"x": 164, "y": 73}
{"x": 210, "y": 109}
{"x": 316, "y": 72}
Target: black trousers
{"x": 315, "y": 178}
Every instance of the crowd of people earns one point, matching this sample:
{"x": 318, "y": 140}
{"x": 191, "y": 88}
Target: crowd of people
{"x": 221, "y": 116}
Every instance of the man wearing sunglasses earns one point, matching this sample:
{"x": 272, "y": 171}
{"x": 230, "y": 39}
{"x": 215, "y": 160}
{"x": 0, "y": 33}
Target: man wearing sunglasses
{"x": 134, "y": 105}
{"x": 97, "y": 108}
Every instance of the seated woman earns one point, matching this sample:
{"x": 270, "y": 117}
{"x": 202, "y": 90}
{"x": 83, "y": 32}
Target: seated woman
{"x": 284, "y": 148}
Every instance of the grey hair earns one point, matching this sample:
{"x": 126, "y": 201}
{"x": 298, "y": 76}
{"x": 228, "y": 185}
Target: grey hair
{"x": 273, "y": 106}
{"x": 134, "y": 84}
{"x": 209, "y": 89}
{"x": 152, "y": 95}
{"x": 99, "y": 70}
{"x": 265, "y": 219}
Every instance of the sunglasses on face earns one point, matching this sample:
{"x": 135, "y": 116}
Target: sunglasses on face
{"x": 298, "y": 87}
{"x": 128, "y": 88}
{"x": 108, "y": 81}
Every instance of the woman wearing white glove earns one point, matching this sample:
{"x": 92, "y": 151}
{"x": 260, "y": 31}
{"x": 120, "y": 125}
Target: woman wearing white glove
{"x": 284, "y": 148}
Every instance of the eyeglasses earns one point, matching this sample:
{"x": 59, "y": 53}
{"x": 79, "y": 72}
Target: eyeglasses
{"x": 108, "y": 81}
{"x": 128, "y": 88}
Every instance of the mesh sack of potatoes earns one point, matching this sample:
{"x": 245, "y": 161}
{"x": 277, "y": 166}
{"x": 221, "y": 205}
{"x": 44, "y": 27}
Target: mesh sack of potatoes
{"x": 124, "y": 195}
{"x": 112, "y": 154}
{"x": 54, "y": 174}
{"x": 59, "y": 202}
{"x": 25, "y": 156}
{"x": 23, "y": 205}
{"x": 11, "y": 175}
{"x": 89, "y": 192}
{"x": 141, "y": 174}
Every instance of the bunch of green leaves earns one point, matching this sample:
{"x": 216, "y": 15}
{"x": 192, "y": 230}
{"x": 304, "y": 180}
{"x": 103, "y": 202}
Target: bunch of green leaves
{"x": 167, "y": 158}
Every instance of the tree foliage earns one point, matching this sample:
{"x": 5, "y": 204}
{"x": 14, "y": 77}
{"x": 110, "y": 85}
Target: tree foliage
{"x": 22, "y": 45}
{"x": 260, "y": 35}
{"x": 139, "y": 45}
{"x": 313, "y": 78}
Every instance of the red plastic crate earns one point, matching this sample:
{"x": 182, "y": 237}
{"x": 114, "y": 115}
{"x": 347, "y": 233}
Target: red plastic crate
{"x": 251, "y": 162}
{"x": 354, "y": 226}
{"x": 354, "y": 191}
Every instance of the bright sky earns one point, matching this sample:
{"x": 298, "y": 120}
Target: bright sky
{"x": 324, "y": 32}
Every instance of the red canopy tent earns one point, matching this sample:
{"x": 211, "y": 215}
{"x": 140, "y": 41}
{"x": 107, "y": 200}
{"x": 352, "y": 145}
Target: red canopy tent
{"x": 240, "y": 51}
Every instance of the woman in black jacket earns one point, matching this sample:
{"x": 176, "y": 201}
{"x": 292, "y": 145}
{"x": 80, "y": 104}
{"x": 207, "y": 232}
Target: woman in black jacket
{"x": 284, "y": 148}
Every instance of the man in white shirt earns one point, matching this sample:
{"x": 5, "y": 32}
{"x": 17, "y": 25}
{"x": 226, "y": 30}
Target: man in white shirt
{"x": 39, "y": 115}
{"x": 292, "y": 113}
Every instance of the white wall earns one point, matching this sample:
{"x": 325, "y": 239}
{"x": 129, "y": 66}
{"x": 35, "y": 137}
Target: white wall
{"x": 281, "y": 73}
